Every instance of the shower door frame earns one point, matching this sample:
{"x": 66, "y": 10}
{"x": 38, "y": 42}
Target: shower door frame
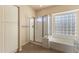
{"x": 35, "y": 29}
{"x": 42, "y": 29}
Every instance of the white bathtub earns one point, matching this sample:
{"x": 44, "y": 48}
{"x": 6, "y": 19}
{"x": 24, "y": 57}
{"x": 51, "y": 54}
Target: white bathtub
{"x": 64, "y": 44}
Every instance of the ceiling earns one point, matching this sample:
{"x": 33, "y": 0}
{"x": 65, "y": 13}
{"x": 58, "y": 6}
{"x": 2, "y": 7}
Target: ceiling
{"x": 39, "y": 7}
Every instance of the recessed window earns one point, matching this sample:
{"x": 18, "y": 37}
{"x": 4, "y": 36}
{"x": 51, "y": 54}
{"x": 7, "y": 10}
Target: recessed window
{"x": 65, "y": 23}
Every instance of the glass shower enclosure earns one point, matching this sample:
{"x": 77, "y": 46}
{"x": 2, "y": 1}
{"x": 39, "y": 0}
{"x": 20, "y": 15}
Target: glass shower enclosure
{"x": 42, "y": 27}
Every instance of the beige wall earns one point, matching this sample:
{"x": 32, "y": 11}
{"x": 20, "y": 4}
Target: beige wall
{"x": 25, "y": 13}
{"x": 56, "y": 9}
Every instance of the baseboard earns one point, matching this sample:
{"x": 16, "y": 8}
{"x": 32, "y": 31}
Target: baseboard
{"x": 13, "y": 51}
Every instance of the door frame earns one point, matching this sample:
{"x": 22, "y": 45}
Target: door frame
{"x": 19, "y": 47}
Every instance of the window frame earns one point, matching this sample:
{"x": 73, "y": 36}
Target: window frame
{"x": 61, "y": 13}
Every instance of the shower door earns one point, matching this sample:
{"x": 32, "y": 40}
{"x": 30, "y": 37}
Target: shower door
{"x": 41, "y": 27}
{"x": 38, "y": 29}
{"x": 45, "y": 26}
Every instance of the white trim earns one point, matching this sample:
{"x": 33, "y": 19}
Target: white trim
{"x": 76, "y": 26}
{"x": 13, "y": 51}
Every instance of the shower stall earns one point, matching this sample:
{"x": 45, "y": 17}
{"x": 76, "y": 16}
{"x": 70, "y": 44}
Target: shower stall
{"x": 42, "y": 27}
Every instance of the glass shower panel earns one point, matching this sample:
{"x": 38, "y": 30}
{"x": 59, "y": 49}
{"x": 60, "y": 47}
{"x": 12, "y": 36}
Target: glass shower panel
{"x": 38, "y": 29}
{"x": 45, "y": 26}
{"x": 49, "y": 25}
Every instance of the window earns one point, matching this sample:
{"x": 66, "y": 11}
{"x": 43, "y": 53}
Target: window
{"x": 65, "y": 23}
